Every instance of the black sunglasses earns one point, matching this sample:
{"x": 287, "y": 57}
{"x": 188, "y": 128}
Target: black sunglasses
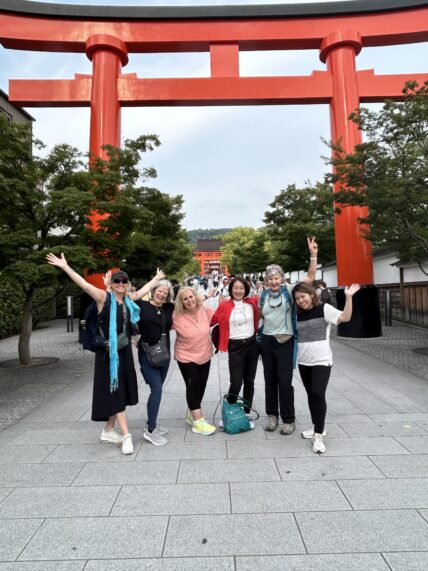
{"x": 120, "y": 281}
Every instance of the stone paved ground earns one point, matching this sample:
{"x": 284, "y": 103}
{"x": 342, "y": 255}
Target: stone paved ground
{"x": 253, "y": 501}
{"x": 395, "y": 347}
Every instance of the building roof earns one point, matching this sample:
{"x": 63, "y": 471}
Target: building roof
{"x": 206, "y": 245}
{"x": 4, "y": 95}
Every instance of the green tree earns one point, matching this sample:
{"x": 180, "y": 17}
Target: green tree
{"x": 295, "y": 214}
{"x": 246, "y": 250}
{"x": 158, "y": 240}
{"x": 389, "y": 174}
{"x": 45, "y": 203}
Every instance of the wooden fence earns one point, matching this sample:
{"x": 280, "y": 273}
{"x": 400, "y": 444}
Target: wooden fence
{"x": 408, "y": 302}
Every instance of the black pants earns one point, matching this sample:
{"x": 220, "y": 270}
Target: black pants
{"x": 315, "y": 380}
{"x": 243, "y": 357}
{"x": 278, "y": 370}
{"x": 196, "y": 377}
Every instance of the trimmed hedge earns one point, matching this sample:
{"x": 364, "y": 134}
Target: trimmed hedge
{"x": 12, "y": 302}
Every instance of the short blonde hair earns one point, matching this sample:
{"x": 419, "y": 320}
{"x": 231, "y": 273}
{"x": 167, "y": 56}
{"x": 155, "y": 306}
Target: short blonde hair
{"x": 179, "y": 308}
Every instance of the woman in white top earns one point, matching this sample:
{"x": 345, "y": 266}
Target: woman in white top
{"x": 314, "y": 355}
{"x": 238, "y": 319}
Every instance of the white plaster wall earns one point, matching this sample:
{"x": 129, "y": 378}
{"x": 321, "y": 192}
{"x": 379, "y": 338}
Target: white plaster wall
{"x": 384, "y": 272}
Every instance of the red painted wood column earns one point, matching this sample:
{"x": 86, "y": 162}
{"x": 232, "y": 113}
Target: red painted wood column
{"x": 108, "y": 54}
{"x": 353, "y": 252}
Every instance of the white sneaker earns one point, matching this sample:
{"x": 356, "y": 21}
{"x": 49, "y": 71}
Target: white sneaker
{"x": 127, "y": 446}
{"x": 252, "y": 425}
{"x": 111, "y": 436}
{"x": 154, "y": 437}
{"x": 310, "y": 433}
{"x": 318, "y": 444}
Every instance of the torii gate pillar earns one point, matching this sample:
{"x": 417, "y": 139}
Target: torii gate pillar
{"x": 353, "y": 252}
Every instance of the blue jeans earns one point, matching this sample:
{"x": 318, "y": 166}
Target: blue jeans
{"x": 154, "y": 377}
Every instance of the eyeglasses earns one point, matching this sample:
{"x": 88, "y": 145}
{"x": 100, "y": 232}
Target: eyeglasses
{"x": 120, "y": 281}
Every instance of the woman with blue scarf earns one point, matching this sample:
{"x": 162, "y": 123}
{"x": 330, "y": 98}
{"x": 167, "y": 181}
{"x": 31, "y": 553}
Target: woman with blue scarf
{"x": 115, "y": 379}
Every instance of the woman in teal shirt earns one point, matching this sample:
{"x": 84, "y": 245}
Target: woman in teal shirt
{"x": 278, "y": 343}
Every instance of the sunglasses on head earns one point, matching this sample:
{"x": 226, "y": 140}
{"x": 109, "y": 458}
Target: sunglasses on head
{"x": 120, "y": 281}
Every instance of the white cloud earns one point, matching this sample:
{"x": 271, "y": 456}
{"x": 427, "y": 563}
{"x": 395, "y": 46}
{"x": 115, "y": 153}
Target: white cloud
{"x": 228, "y": 162}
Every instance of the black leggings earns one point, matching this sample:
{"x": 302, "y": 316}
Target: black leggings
{"x": 196, "y": 377}
{"x": 315, "y": 380}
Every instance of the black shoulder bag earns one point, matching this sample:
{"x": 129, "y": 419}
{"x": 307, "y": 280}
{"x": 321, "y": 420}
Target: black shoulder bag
{"x": 157, "y": 354}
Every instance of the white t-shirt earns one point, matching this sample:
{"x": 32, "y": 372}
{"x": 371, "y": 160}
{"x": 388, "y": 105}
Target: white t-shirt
{"x": 313, "y": 329}
{"x": 241, "y": 321}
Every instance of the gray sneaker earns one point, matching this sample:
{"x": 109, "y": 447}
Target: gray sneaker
{"x": 272, "y": 423}
{"x": 288, "y": 428}
{"x": 161, "y": 429}
{"x": 154, "y": 437}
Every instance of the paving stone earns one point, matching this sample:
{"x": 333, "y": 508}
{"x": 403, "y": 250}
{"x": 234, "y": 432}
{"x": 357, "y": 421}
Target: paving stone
{"x": 367, "y": 401}
{"x": 363, "y": 531}
{"x": 14, "y": 536}
{"x": 246, "y": 470}
{"x": 57, "y": 437}
{"x": 400, "y": 417}
{"x": 24, "y": 454}
{"x": 86, "y": 538}
{"x": 164, "y": 564}
{"x": 38, "y": 475}
{"x": 273, "y": 497}
{"x": 101, "y": 452}
{"x": 59, "y": 502}
{"x": 257, "y": 433}
{"x": 414, "y": 444}
{"x": 104, "y": 473}
{"x": 416, "y": 561}
{"x": 4, "y": 492}
{"x": 386, "y": 493}
{"x": 403, "y": 428}
{"x": 332, "y": 430}
{"x": 177, "y": 499}
{"x": 354, "y": 562}
{"x": 233, "y": 534}
{"x": 202, "y": 449}
{"x": 405, "y": 466}
{"x": 44, "y": 566}
{"x": 328, "y": 468}
{"x": 298, "y": 447}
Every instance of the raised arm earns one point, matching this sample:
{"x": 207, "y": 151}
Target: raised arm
{"x": 99, "y": 295}
{"x": 313, "y": 263}
{"x": 148, "y": 286}
{"x": 347, "y": 310}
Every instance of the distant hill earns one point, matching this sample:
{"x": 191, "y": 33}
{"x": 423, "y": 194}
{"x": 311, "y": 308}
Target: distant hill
{"x": 195, "y": 235}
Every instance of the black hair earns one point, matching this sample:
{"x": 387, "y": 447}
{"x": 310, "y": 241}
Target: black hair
{"x": 243, "y": 281}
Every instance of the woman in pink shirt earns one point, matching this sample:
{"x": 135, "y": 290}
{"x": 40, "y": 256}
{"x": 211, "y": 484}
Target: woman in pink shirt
{"x": 193, "y": 351}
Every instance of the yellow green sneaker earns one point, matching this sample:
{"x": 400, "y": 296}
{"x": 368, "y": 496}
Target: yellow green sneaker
{"x": 189, "y": 418}
{"x": 201, "y": 426}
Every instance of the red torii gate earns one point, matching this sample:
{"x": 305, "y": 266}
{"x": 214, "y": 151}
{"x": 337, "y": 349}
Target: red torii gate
{"x": 339, "y": 30}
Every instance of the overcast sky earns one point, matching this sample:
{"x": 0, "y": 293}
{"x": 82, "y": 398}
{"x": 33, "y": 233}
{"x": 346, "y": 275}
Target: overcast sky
{"x": 227, "y": 162}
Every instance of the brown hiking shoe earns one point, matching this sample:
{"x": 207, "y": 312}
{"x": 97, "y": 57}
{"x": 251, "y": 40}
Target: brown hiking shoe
{"x": 288, "y": 428}
{"x": 272, "y": 423}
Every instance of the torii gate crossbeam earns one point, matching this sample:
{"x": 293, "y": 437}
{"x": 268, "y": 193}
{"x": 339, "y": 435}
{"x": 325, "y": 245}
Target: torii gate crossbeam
{"x": 339, "y": 30}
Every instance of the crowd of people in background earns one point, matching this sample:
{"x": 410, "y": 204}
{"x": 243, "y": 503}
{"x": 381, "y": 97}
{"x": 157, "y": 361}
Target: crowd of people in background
{"x": 257, "y": 314}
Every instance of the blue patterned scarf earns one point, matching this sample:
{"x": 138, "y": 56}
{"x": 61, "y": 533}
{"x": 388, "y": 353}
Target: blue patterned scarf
{"x": 134, "y": 311}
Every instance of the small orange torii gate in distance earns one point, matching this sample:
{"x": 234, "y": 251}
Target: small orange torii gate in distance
{"x": 107, "y": 34}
